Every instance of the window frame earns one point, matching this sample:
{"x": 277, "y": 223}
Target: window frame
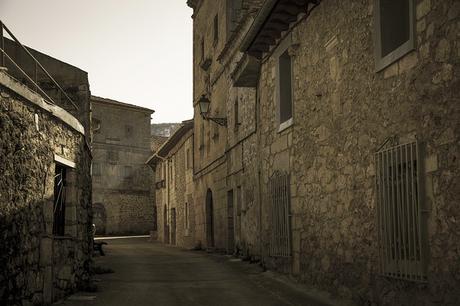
{"x": 280, "y": 50}
{"x": 399, "y": 52}
{"x": 68, "y": 214}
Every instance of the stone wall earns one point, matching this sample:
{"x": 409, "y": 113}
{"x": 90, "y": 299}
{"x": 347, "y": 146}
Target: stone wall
{"x": 36, "y": 266}
{"x": 224, "y": 157}
{"x": 174, "y": 189}
{"x": 123, "y": 199}
{"x": 343, "y": 111}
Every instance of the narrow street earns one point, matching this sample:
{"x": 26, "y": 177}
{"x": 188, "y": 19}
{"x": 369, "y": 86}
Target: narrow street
{"x": 147, "y": 273}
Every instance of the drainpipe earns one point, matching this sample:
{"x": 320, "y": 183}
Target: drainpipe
{"x": 257, "y": 120}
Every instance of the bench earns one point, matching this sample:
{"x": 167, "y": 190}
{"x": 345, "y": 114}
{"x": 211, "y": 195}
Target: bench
{"x": 97, "y": 246}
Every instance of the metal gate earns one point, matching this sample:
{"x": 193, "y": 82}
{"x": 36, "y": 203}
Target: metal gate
{"x": 279, "y": 190}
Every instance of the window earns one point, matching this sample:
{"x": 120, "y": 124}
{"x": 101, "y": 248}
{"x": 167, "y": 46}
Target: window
{"x": 60, "y": 184}
{"x": 202, "y": 50}
{"x": 186, "y": 216}
{"x": 280, "y": 236}
{"x": 285, "y": 87}
{"x": 96, "y": 169}
{"x": 216, "y": 30}
{"x": 127, "y": 170}
{"x": 112, "y": 156}
{"x": 401, "y": 239}
{"x": 188, "y": 159}
{"x": 236, "y": 117}
{"x": 202, "y": 132}
{"x": 394, "y": 30}
{"x": 128, "y": 130}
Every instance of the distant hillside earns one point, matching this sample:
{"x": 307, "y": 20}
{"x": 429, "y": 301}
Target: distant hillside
{"x": 163, "y": 129}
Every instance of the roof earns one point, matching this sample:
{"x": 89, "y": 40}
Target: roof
{"x": 157, "y": 141}
{"x": 163, "y": 151}
{"x": 121, "y": 104}
{"x": 274, "y": 17}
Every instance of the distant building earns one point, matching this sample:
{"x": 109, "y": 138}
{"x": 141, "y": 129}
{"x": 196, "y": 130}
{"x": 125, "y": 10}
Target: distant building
{"x": 45, "y": 183}
{"x": 122, "y": 200}
{"x": 164, "y": 129}
{"x": 173, "y": 167}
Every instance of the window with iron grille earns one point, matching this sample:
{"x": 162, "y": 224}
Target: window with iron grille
{"x": 59, "y": 200}
{"x": 280, "y": 239}
{"x": 399, "y": 211}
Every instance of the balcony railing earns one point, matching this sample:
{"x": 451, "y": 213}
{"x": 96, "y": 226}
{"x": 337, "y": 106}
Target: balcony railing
{"x": 34, "y": 80}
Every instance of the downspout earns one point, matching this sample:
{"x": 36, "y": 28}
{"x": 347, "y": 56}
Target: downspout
{"x": 257, "y": 120}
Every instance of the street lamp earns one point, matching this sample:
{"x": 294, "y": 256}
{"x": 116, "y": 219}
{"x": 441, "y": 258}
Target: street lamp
{"x": 204, "y": 104}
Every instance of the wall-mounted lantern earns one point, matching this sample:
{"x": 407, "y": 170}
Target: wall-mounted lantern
{"x": 204, "y": 104}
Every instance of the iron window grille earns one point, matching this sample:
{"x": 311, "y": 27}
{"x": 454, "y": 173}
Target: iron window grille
{"x": 399, "y": 211}
{"x": 59, "y": 200}
{"x": 279, "y": 192}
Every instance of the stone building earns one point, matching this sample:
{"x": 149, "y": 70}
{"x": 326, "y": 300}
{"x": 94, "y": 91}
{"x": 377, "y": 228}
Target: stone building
{"x": 45, "y": 183}
{"x": 71, "y": 79}
{"x": 122, "y": 197}
{"x": 330, "y": 149}
{"x": 173, "y": 167}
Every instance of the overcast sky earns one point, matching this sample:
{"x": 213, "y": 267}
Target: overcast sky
{"x": 135, "y": 51}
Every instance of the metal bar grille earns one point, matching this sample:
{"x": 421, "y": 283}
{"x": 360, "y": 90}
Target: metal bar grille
{"x": 399, "y": 212}
{"x": 280, "y": 240}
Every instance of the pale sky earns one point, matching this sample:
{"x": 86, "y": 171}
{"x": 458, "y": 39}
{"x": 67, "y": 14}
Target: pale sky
{"x": 135, "y": 51}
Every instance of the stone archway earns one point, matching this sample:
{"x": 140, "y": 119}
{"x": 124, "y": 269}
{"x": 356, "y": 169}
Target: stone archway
{"x": 209, "y": 220}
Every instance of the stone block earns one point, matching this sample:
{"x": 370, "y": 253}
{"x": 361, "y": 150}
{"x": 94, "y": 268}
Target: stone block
{"x": 279, "y": 145}
{"x": 408, "y": 62}
{"x": 48, "y": 285}
{"x": 442, "y": 52}
{"x": 322, "y": 133}
{"x": 425, "y": 50}
{"x": 391, "y": 71}
{"x": 431, "y": 163}
{"x": 46, "y": 252}
{"x": 423, "y": 8}
{"x": 447, "y": 72}
{"x": 421, "y": 25}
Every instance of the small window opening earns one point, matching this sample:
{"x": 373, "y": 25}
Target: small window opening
{"x": 59, "y": 200}
{"x": 285, "y": 87}
{"x": 216, "y": 29}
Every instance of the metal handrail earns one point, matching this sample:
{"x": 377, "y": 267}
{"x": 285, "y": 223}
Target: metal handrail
{"x": 37, "y": 63}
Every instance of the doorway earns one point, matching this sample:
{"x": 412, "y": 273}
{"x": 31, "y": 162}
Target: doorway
{"x": 209, "y": 220}
{"x": 230, "y": 224}
{"x": 165, "y": 225}
{"x": 173, "y": 226}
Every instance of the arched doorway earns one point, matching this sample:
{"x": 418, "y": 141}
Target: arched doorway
{"x": 209, "y": 220}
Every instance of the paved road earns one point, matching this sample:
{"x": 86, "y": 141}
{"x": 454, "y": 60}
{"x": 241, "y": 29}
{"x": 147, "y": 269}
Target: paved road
{"x": 149, "y": 273}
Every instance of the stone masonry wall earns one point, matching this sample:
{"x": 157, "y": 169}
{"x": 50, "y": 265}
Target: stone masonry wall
{"x": 30, "y": 272}
{"x": 343, "y": 111}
